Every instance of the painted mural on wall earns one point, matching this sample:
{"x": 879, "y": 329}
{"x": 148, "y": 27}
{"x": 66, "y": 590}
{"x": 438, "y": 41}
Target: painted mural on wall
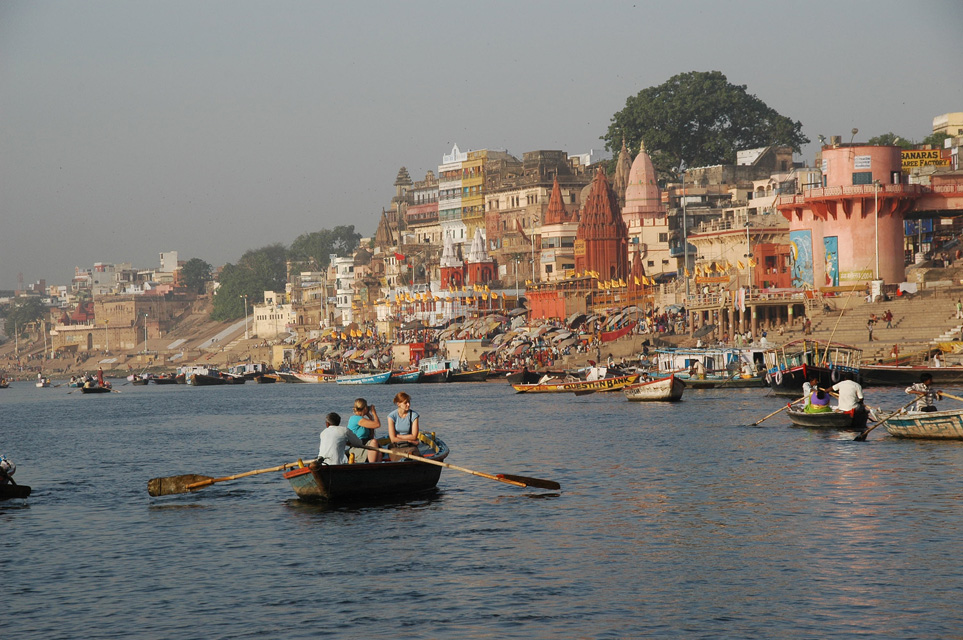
{"x": 801, "y": 251}
{"x": 831, "y": 249}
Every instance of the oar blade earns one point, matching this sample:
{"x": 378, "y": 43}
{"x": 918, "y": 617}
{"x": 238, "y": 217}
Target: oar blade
{"x": 173, "y": 484}
{"x": 532, "y": 482}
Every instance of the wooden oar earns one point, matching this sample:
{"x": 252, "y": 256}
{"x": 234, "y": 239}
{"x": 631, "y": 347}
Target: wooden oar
{"x": 192, "y": 482}
{"x": 865, "y": 432}
{"x": 950, "y": 395}
{"x": 518, "y": 481}
{"x": 760, "y": 421}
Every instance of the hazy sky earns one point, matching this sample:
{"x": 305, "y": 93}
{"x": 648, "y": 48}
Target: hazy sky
{"x": 208, "y": 128}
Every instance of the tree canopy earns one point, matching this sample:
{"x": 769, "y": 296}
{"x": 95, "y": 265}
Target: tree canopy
{"x": 891, "y": 139}
{"x": 195, "y": 274}
{"x": 699, "y": 118}
{"x": 319, "y": 245}
{"x": 257, "y": 271}
{"x": 22, "y": 312}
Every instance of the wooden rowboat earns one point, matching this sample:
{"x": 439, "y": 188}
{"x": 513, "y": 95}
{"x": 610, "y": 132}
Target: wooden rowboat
{"x": 933, "y": 425}
{"x": 370, "y": 481}
{"x": 14, "y": 491}
{"x": 665, "y": 389}
{"x": 605, "y": 384}
{"x": 842, "y": 420}
{"x": 95, "y": 389}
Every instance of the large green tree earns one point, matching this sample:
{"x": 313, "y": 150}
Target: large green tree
{"x": 257, "y": 271}
{"x": 699, "y": 118}
{"x": 22, "y": 312}
{"x": 316, "y": 247}
{"x": 195, "y": 274}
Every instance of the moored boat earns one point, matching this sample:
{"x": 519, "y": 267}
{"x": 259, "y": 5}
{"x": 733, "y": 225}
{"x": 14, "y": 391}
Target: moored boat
{"x": 575, "y": 386}
{"x": 138, "y": 381}
{"x": 434, "y": 370}
{"x": 406, "y": 376}
{"x": 164, "y": 379}
{"x": 796, "y": 362}
{"x": 314, "y": 377}
{"x": 365, "y": 378}
{"x": 469, "y": 375}
{"x": 370, "y": 481}
{"x": 665, "y": 389}
{"x": 932, "y": 425}
{"x": 882, "y": 375}
{"x": 266, "y": 378}
{"x": 842, "y": 420}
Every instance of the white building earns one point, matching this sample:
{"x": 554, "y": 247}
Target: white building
{"x": 273, "y": 317}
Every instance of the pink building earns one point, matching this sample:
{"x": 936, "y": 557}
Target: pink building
{"x": 850, "y": 230}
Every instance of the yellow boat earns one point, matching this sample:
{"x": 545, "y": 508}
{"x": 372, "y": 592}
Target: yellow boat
{"x": 588, "y": 386}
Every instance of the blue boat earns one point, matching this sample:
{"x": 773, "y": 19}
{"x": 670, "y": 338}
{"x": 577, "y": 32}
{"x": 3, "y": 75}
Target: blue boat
{"x": 365, "y": 378}
{"x": 398, "y": 377}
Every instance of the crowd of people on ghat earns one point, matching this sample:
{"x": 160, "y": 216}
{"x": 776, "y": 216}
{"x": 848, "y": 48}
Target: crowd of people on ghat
{"x": 357, "y": 442}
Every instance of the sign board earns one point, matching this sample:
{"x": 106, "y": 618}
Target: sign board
{"x": 913, "y": 158}
{"x": 863, "y": 162}
{"x": 580, "y": 247}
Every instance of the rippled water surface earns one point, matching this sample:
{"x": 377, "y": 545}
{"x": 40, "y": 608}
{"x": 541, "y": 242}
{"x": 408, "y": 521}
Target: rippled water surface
{"x": 673, "y": 521}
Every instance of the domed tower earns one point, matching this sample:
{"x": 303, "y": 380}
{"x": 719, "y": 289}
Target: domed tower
{"x": 480, "y": 268}
{"x": 601, "y": 243}
{"x": 452, "y": 268}
{"x": 644, "y": 214}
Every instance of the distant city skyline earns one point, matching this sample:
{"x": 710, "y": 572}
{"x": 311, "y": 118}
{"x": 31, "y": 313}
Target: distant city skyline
{"x": 129, "y": 129}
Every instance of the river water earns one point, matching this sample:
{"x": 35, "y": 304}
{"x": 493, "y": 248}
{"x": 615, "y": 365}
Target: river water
{"x": 674, "y": 520}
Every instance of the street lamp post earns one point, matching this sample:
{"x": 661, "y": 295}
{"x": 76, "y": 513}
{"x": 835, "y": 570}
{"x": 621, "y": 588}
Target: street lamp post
{"x": 245, "y": 316}
{"x": 106, "y": 337}
{"x": 748, "y": 254}
{"x": 145, "y": 333}
{"x": 685, "y": 239}
{"x": 876, "y": 215}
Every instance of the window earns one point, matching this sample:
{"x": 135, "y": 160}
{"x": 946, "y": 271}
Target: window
{"x": 663, "y": 237}
{"x": 650, "y": 263}
{"x": 863, "y": 177}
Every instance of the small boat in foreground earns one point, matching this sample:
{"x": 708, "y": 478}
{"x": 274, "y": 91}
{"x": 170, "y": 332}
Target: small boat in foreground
{"x": 561, "y": 386}
{"x": 664, "y": 389}
{"x": 933, "y": 425}
{"x": 842, "y": 420}
{"x": 14, "y": 492}
{"x": 365, "y": 378}
{"x": 370, "y": 481}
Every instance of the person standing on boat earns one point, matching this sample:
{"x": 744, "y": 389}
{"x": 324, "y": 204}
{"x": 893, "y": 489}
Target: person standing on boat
{"x": 927, "y": 396}
{"x": 850, "y": 395}
{"x": 403, "y": 421}
{"x": 363, "y": 423}
{"x": 334, "y": 441}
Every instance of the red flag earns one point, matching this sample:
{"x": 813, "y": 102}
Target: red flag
{"x": 518, "y": 225}
{"x": 399, "y": 257}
